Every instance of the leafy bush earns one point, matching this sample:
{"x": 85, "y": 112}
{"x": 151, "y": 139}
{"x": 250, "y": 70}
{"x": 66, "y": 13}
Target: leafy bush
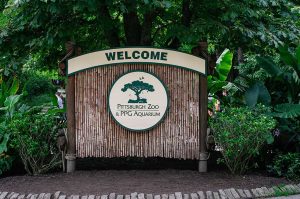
{"x": 38, "y": 84}
{"x": 5, "y": 159}
{"x": 34, "y": 138}
{"x": 241, "y": 133}
{"x": 286, "y": 165}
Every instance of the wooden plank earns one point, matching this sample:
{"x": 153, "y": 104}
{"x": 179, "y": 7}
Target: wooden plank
{"x": 14, "y": 196}
{"x": 186, "y": 196}
{"x": 234, "y": 193}
{"x": 48, "y": 196}
{"x": 29, "y": 196}
{"x": 228, "y": 193}
{"x": 222, "y": 194}
{"x": 296, "y": 188}
{"x": 291, "y": 188}
{"x": 104, "y": 197}
{"x": 248, "y": 193}
{"x": 194, "y": 196}
{"x": 3, "y": 195}
{"x": 75, "y": 196}
{"x": 22, "y": 196}
{"x": 141, "y": 196}
{"x": 209, "y": 195}
{"x": 266, "y": 191}
{"x": 216, "y": 195}
{"x": 255, "y": 193}
{"x": 71, "y": 149}
{"x": 241, "y": 193}
{"x": 164, "y": 196}
{"x": 149, "y": 196}
{"x": 62, "y": 197}
{"x": 41, "y": 196}
{"x": 261, "y": 192}
{"x": 133, "y": 195}
{"x": 56, "y": 195}
{"x": 271, "y": 191}
{"x": 112, "y": 196}
{"x": 201, "y": 194}
{"x": 10, "y": 195}
{"x": 34, "y": 196}
{"x": 178, "y": 195}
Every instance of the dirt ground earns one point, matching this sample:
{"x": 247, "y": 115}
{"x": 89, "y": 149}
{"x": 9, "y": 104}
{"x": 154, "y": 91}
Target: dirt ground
{"x": 127, "y": 181}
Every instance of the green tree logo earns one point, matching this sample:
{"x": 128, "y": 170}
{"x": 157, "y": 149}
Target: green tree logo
{"x": 138, "y": 87}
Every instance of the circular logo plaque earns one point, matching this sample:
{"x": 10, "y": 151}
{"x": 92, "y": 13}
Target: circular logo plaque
{"x": 138, "y": 100}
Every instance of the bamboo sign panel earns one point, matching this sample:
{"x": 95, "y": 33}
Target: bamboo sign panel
{"x": 171, "y": 127}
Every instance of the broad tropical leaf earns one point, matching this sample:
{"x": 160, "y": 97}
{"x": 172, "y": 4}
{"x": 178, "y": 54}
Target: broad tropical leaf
{"x": 269, "y": 66}
{"x": 3, "y": 143}
{"x": 286, "y": 56}
{"x": 257, "y": 93}
{"x": 12, "y": 100}
{"x": 298, "y": 57}
{"x": 251, "y": 95}
{"x": 287, "y": 110}
{"x": 224, "y": 64}
{"x": 14, "y": 87}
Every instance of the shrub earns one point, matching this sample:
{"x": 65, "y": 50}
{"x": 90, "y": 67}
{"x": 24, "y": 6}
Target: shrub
{"x": 5, "y": 159}
{"x": 286, "y": 165}
{"x": 241, "y": 133}
{"x": 38, "y": 84}
{"x": 34, "y": 138}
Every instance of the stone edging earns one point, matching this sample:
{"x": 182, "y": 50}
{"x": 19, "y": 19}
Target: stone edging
{"x": 231, "y": 193}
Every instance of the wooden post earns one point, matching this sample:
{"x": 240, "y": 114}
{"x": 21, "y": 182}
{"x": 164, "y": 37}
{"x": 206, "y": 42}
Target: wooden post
{"x": 71, "y": 147}
{"x": 203, "y": 124}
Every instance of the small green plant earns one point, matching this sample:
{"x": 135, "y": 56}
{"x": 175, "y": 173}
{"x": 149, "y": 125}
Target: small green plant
{"x": 241, "y": 133}
{"x": 34, "y": 137}
{"x": 5, "y": 159}
{"x": 286, "y": 165}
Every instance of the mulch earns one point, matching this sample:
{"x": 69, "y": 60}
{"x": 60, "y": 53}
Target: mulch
{"x": 99, "y": 182}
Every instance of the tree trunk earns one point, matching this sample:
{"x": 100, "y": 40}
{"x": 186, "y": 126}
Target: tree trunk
{"x": 132, "y": 26}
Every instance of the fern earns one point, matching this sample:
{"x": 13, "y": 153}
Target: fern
{"x": 286, "y": 110}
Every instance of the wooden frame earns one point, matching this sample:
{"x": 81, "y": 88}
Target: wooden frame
{"x": 187, "y": 140}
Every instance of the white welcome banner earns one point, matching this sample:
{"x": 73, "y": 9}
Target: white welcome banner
{"x": 136, "y": 55}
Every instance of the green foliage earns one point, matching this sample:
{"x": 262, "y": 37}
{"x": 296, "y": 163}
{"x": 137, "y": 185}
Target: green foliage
{"x": 217, "y": 81}
{"x": 257, "y": 93}
{"x": 241, "y": 133}
{"x": 8, "y": 88}
{"x": 34, "y": 138}
{"x": 224, "y": 64}
{"x": 287, "y": 110}
{"x": 37, "y": 85}
{"x": 5, "y": 159}
{"x": 286, "y": 165}
{"x": 37, "y": 30}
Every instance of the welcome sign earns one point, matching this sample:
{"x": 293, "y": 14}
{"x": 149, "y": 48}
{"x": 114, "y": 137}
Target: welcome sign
{"x": 136, "y": 55}
{"x": 138, "y": 100}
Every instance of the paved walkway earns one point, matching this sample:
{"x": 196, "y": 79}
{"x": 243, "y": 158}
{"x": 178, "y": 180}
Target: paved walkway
{"x": 278, "y": 192}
